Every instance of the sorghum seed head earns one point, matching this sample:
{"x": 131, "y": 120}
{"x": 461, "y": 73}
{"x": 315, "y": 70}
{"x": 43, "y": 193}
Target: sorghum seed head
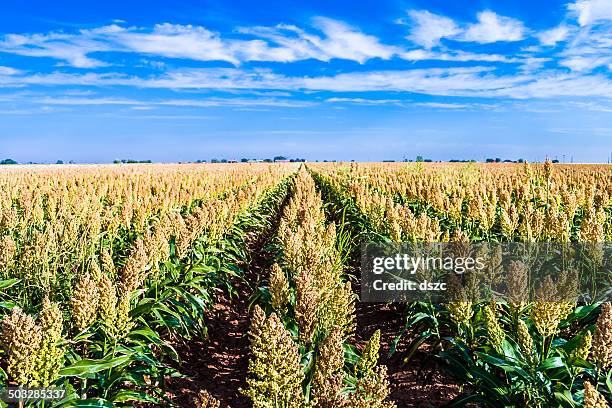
{"x": 592, "y": 398}
{"x": 84, "y": 302}
{"x": 602, "y": 339}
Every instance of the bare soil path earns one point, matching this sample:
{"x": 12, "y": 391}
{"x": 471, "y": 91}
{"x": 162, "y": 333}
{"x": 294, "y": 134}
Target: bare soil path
{"x": 413, "y": 385}
{"x": 219, "y": 364}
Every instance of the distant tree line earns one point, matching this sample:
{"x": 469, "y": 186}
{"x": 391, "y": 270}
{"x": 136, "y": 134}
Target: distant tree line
{"x": 131, "y": 161}
{"x": 253, "y": 160}
{"x": 419, "y": 159}
{"x": 498, "y": 160}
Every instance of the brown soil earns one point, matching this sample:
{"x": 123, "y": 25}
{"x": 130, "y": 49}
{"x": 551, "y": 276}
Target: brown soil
{"x": 218, "y": 364}
{"x": 414, "y": 384}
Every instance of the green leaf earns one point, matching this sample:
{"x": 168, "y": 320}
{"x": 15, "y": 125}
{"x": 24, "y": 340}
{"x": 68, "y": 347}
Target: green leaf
{"x": 129, "y": 395}
{"x": 552, "y": 362}
{"x": 91, "y": 402}
{"x": 85, "y": 367}
{"x": 565, "y": 399}
{"x": 505, "y": 365}
{"x": 5, "y": 284}
{"x": 7, "y": 305}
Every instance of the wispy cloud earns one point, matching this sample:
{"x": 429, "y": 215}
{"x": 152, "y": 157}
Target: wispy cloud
{"x": 9, "y": 71}
{"x": 283, "y": 43}
{"x": 554, "y": 35}
{"x": 493, "y": 28}
{"x": 150, "y": 104}
{"x": 340, "y": 40}
{"x": 442, "y": 105}
{"x": 70, "y": 48}
{"x": 591, "y": 11}
{"x": 471, "y": 82}
{"x": 428, "y": 29}
{"x": 366, "y": 101}
{"x": 457, "y": 56}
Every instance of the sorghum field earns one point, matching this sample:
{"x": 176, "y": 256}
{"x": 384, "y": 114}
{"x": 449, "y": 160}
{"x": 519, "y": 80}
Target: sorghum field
{"x": 237, "y": 285}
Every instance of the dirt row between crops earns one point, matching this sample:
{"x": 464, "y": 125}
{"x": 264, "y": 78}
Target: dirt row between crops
{"x": 219, "y": 364}
{"x": 420, "y": 383}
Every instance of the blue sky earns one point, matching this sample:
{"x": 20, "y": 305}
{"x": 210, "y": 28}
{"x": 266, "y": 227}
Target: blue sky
{"x": 188, "y": 80}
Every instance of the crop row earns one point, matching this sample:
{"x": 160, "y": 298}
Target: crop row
{"x": 97, "y": 322}
{"x": 542, "y": 353}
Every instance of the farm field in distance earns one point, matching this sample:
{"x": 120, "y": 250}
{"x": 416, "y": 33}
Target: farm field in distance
{"x": 215, "y": 285}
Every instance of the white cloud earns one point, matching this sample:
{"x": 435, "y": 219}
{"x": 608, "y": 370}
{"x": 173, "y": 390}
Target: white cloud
{"x": 190, "y": 103}
{"x": 198, "y": 43}
{"x": 583, "y": 63}
{"x": 343, "y": 41}
{"x": 236, "y": 102}
{"x": 591, "y": 11}
{"x": 9, "y": 71}
{"x": 460, "y": 56}
{"x": 64, "y": 47}
{"x": 560, "y": 85}
{"x": 280, "y": 44}
{"x": 175, "y": 41}
{"x": 533, "y": 64}
{"x": 590, "y": 48}
{"x": 339, "y": 41}
{"x": 461, "y": 82}
{"x": 434, "y": 81}
{"x": 365, "y": 101}
{"x": 554, "y": 35}
{"x": 593, "y": 106}
{"x": 429, "y": 28}
{"x": 493, "y": 28}
{"x": 168, "y": 117}
{"x": 442, "y": 105}
{"x": 86, "y": 101}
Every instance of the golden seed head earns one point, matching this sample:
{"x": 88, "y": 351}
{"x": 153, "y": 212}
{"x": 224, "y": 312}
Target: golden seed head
{"x": 548, "y": 169}
{"x": 123, "y": 323}
{"x": 372, "y": 391}
{"x": 592, "y": 397}
{"x": 549, "y": 309}
{"x": 133, "y": 273}
{"x": 107, "y": 304}
{"x": 108, "y": 266}
{"x": 21, "y": 339}
{"x": 84, "y": 302}
{"x": 369, "y": 357}
{"x": 583, "y": 349}
{"x": 8, "y": 250}
{"x": 495, "y": 332}
{"x": 275, "y": 373}
{"x": 279, "y": 288}
{"x": 602, "y": 339}
{"x": 50, "y": 355}
{"x": 328, "y": 377}
{"x": 518, "y": 285}
{"x": 306, "y": 305}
